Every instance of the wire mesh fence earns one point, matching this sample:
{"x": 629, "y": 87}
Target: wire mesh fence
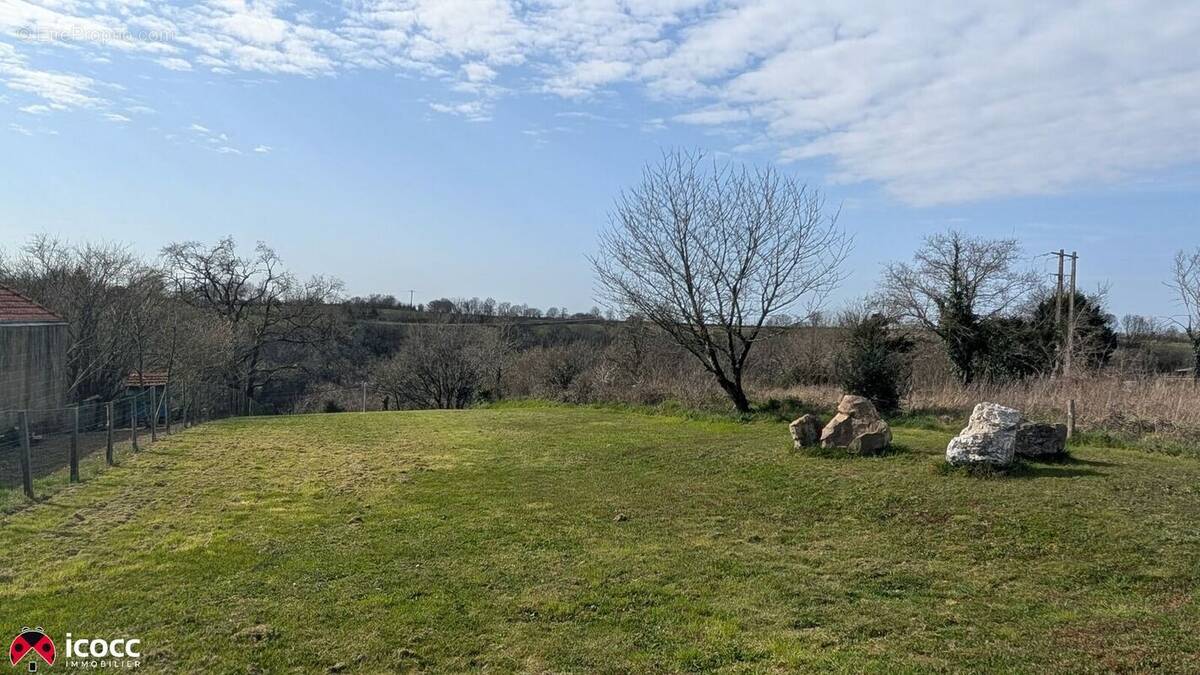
{"x": 38, "y": 444}
{"x": 44, "y": 449}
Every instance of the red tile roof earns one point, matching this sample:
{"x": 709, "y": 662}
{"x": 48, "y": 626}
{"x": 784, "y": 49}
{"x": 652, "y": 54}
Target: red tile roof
{"x": 17, "y": 308}
{"x": 150, "y": 378}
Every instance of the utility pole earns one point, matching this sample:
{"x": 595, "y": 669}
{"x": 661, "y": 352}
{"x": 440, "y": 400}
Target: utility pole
{"x": 410, "y": 299}
{"x": 1058, "y": 302}
{"x": 1058, "y": 295}
{"x": 1069, "y": 357}
{"x": 1071, "y": 316}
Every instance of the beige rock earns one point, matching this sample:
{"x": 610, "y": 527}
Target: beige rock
{"x": 871, "y": 442}
{"x": 856, "y": 418}
{"x": 856, "y": 406}
{"x": 806, "y": 431}
{"x": 839, "y": 432}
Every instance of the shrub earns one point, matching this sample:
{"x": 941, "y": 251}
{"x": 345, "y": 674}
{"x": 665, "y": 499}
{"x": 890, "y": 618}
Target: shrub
{"x": 441, "y": 365}
{"x": 875, "y": 361}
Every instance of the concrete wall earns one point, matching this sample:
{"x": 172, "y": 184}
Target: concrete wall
{"x": 33, "y": 361}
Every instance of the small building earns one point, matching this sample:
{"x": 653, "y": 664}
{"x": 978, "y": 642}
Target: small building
{"x": 33, "y": 354}
{"x": 153, "y": 383}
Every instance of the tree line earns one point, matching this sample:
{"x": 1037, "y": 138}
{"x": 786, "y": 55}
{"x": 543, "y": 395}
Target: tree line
{"x": 709, "y": 252}
{"x": 469, "y": 307}
{"x": 208, "y": 315}
{"x": 706, "y": 263}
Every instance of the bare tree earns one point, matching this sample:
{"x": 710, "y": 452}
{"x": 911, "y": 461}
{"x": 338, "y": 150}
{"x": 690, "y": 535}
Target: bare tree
{"x": 709, "y": 252}
{"x": 152, "y": 334}
{"x": 276, "y": 320}
{"x": 1185, "y": 281}
{"x": 954, "y": 284}
{"x": 103, "y": 290}
{"x": 441, "y": 365}
{"x": 496, "y": 349}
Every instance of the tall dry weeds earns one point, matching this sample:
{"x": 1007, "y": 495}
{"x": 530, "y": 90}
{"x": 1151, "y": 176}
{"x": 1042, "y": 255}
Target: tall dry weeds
{"x": 1164, "y": 405}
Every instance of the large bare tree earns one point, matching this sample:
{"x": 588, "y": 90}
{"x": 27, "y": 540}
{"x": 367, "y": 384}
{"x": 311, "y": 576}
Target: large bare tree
{"x": 442, "y": 364}
{"x": 104, "y": 290}
{"x": 709, "y": 252}
{"x": 1185, "y": 281}
{"x": 954, "y": 284}
{"x": 276, "y": 320}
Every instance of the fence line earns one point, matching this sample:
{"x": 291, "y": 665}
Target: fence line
{"x": 39, "y": 446}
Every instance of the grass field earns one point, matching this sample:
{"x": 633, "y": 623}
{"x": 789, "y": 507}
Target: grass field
{"x": 543, "y": 538}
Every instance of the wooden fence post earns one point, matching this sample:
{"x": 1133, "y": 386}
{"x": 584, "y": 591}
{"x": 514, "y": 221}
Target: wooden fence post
{"x": 74, "y": 456}
{"x": 26, "y": 454}
{"x": 167, "y": 406}
{"x": 1070, "y": 418}
{"x": 112, "y": 420}
{"x": 133, "y": 422}
{"x": 154, "y": 401}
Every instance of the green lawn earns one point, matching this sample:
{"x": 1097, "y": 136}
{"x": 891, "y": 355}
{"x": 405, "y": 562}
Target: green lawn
{"x": 490, "y": 539}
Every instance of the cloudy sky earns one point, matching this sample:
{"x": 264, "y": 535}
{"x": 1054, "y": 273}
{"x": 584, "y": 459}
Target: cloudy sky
{"x": 473, "y": 147}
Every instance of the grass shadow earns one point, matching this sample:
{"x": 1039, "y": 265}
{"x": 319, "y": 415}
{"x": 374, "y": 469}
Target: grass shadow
{"x": 980, "y": 471}
{"x": 1067, "y": 459}
{"x": 1021, "y": 470}
{"x": 1056, "y": 471}
{"x": 893, "y": 450}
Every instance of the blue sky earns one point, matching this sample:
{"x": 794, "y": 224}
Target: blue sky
{"x": 473, "y": 147}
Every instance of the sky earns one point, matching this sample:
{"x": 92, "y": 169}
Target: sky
{"x": 474, "y": 147}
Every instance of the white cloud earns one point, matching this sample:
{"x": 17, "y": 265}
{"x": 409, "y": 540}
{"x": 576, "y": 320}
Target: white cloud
{"x": 116, "y": 117}
{"x": 714, "y": 116}
{"x": 215, "y": 141}
{"x": 939, "y": 102}
{"x": 478, "y": 72}
{"x": 477, "y": 111}
{"x": 56, "y": 88}
{"x": 36, "y": 109}
{"x": 262, "y": 149}
{"x": 76, "y": 23}
{"x": 175, "y": 63}
{"x": 17, "y": 128}
{"x": 585, "y": 77}
{"x": 951, "y": 104}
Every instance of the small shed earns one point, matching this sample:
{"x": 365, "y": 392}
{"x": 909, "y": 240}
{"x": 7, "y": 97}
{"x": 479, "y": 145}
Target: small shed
{"x": 33, "y": 354}
{"x": 148, "y": 382}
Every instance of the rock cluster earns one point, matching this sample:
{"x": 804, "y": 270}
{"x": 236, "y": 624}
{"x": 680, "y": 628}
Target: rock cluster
{"x": 856, "y": 427}
{"x": 995, "y": 435}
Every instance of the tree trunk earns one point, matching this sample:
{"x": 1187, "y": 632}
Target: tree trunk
{"x": 736, "y": 393}
{"x": 1196, "y": 360}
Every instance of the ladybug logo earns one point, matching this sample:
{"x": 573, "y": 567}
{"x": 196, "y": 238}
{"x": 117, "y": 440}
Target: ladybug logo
{"x": 32, "y": 641}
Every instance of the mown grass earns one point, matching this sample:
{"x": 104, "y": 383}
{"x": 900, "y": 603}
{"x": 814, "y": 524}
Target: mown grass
{"x": 547, "y": 538}
{"x": 12, "y": 495}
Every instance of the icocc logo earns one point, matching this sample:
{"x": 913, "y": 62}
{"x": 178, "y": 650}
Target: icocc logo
{"x": 33, "y": 646}
{"x": 99, "y": 648}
